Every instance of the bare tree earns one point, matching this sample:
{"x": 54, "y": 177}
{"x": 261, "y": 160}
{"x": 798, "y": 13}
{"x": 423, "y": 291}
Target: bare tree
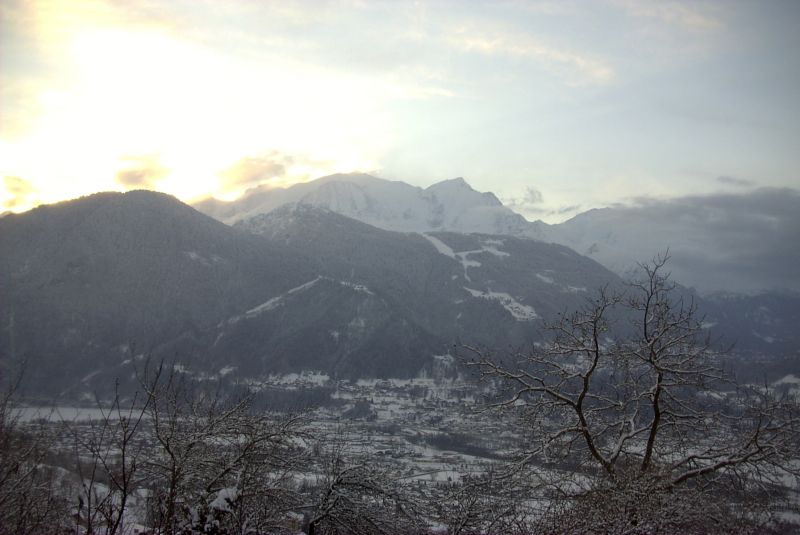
{"x": 107, "y": 453}
{"x": 31, "y": 499}
{"x": 628, "y": 404}
{"x": 486, "y": 503}
{"x": 217, "y": 467}
{"x": 251, "y": 476}
{"x": 354, "y": 495}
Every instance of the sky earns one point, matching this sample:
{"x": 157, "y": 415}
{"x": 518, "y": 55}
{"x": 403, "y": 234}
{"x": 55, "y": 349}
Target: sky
{"x": 556, "y": 107}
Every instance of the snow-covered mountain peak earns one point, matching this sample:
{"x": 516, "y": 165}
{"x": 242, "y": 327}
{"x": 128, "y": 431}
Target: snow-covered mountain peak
{"x": 451, "y": 183}
{"x": 392, "y": 205}
{"x": 355, "y": 178}
{"x": 456, "y": 191}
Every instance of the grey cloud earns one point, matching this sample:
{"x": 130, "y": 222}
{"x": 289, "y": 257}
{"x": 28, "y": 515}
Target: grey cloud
{"x": 567, "y": 209}
{"x": 746, "y": 241}
{"x": 532, "y": 196}
{"x": 734, "y": 181}
{"x": 140, "y": 172}
{"x": 551, "y": 211}
{"x": 528, "y": 201}
{"x": 532, "y": 204}
{"x": 255, "y": 170}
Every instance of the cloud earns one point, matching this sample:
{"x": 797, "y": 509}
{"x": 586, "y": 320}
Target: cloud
{"x": 532, "y": 196}
{"x": 255, "y": 170}
{"x": 734, "y": 181}
{"x": 528, "y": 202}
{"x": 734, "y": 242}
{"x": 140, "y": 172}
{"x": 576, "y": 67}
{"x": 688, "y": 15}
{"x": 532, "y": 203}
{"x": 17, "y": 186}
{"x": 548, "y": 212}
{"x": 567, "y": 209}
{"x": 19, "y": 193}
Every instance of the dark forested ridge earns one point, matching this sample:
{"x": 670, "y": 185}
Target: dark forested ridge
{"x": 92, "y": 283}
{"x": 86, "y": 279}
{"x": 89, "y": 285}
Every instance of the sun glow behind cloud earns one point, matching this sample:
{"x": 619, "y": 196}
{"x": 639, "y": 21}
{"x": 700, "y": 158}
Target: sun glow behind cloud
{"x": 135, "y": 92}
{"x": 587, "y": 102}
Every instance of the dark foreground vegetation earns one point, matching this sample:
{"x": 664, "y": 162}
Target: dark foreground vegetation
{"x": 631, "y": 425}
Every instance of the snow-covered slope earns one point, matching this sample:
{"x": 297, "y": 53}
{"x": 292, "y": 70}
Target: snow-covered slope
{"x": 451, "y": 205}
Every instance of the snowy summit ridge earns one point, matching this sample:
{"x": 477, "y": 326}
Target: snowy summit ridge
{"x": 717, "y": 243}
{"x": 450, "y": 205}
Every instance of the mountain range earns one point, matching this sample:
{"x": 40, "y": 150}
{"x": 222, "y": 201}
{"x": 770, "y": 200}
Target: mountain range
{"x": 94, "y": 287}
{"x": 391, "y": 205}
{"x": 718, "y": 243}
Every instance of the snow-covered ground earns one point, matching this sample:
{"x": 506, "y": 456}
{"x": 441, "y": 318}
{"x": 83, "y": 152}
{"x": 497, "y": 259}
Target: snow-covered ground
{"x": 515, "y": 308}
{"x": 463, "y": 257}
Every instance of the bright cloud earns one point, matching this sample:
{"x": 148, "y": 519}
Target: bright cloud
{"x": 140, "y": 172}
{"x": 139, "y": 89}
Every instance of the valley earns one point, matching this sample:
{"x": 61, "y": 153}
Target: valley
{"x": 345, "y": 358}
